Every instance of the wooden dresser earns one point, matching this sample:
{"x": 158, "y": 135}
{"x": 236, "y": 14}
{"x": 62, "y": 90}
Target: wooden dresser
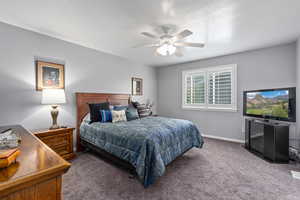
{"x": 37, "y": 174}
{"x": 60, "y": 140}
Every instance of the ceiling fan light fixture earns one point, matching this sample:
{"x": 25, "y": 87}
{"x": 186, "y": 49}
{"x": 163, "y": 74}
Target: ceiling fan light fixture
{"x": 168, "y": 43}
{"x": 166, "y": 50}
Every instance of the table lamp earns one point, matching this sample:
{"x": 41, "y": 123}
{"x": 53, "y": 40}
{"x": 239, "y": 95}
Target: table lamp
{"x": 53, "y": 97}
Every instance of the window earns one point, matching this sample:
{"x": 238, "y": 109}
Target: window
{"x": 210, "y": 88}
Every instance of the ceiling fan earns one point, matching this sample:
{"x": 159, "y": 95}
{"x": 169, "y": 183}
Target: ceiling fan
{"x": 167, "y": 44}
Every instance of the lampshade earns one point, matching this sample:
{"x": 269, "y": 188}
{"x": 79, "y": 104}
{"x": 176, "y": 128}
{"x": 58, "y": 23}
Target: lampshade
{"x": 53, "y": 96}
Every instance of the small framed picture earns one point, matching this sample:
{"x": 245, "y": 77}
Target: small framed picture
{"x": 49, "y": 75}
{"x": 137, "y": 86}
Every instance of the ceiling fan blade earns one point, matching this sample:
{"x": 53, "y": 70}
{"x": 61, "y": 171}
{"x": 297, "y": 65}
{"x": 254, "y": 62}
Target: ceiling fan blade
{"x": 183, "y": 34}
{"x": 145, "y": 45}
{"x": 188, "y": 44}
{"x": 178, "y": 52}
{"x": 150, "y": 35}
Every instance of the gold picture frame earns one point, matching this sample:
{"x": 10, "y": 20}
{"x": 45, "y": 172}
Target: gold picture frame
{"x": 136, "y": 86}
{"x": 49, "y": 75}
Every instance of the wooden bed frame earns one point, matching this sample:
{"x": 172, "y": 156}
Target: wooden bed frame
{"x": 82, "y": 100}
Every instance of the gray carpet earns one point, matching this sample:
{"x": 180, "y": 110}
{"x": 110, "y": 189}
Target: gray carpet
{"x": 221, "y": 170}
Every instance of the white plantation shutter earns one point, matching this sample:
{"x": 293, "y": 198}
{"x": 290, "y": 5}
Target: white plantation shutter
{"x": 210, "y": 88}
{"x": 189, "y": 90}
{"x": 198, "y": 89}
{"x": 219, "y": 87}
{"x": 195, "y": 89}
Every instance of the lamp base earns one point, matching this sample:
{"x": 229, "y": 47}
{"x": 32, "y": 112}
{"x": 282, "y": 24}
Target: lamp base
{"x": 54, "y": 114}
{"x": 54, "y": 127}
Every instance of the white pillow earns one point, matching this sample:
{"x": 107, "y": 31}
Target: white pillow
{"x": 87, "y": 118}
{"x": 118, "y": 116}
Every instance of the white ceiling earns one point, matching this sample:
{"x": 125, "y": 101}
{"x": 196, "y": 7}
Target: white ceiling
{"x": 114, "y": 26}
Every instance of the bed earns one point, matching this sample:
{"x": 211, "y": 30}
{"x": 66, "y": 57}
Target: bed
{"x": 147, "y": 145}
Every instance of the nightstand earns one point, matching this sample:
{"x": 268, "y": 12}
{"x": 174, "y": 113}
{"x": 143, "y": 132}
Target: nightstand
{"x": 60, "y": 140}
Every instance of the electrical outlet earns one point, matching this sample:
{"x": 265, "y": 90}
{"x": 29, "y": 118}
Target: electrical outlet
{"x": 295, "y": 174}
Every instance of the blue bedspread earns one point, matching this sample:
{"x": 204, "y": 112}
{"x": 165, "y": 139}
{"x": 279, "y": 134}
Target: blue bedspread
{"x": 149, "y": 144}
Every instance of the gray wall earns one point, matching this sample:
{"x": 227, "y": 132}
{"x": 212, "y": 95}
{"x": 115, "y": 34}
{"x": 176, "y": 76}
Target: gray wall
{"x": 86, "y": 70}
{"x": 298, "y": 94}
{"x": 266, "y": 68}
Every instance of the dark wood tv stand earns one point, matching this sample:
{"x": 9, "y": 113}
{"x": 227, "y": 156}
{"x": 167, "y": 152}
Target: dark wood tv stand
{"x": 268, "y": 139}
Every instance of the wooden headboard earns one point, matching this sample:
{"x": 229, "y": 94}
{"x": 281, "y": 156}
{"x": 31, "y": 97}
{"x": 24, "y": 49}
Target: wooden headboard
{"x": 82, "y": 100}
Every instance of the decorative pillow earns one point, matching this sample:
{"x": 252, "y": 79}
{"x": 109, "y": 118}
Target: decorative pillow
{"x": 106, "y": 115}
{"x": 132, "y": 113}
{"x": 120, "y": 107}
{"x": 118, "y": 116}
{"x": 87, "y": 118}
{"x": 143, "y": 110}
{"x": 94, "y": 110}
{"x": 135, "y": 104}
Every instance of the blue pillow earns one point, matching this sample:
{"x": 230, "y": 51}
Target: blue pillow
{"x": 94, "y": 110}
{"x": 118, "y": 108}
{"x": 106, "y": 116}
{"x": 132, "y": 114}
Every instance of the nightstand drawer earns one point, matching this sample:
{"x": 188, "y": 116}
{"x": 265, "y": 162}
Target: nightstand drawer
{"x": 62, "y": 150}
{"x": 60, "y": 140}
{"x": 56, "y": 140}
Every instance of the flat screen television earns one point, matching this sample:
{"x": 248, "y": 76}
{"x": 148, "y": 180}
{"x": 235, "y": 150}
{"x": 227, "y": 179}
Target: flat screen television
{"x": 277, "y": 104}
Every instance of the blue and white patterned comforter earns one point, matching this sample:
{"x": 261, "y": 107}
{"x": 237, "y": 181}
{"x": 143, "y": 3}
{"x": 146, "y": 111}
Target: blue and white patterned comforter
{"x": 149, "y": 144}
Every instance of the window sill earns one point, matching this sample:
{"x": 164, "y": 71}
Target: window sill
{"x": 209, "y": 109}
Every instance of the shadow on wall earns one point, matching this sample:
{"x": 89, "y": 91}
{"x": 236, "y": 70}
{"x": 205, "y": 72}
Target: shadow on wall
{"x": 21, "y": 104}
{"x": 17, "y": 99}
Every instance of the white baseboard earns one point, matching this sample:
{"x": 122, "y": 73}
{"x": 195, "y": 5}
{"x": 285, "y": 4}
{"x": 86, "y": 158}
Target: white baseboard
{"x": 223, "y": 138}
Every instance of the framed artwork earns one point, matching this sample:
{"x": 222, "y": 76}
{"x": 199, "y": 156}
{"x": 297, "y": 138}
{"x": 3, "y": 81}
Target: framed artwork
{"x": 137, "y": 86}
{"x": 49, "y": 75}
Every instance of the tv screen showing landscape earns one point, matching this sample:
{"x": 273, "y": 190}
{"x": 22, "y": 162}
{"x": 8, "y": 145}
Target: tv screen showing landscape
{"x": 273, "y": 103}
